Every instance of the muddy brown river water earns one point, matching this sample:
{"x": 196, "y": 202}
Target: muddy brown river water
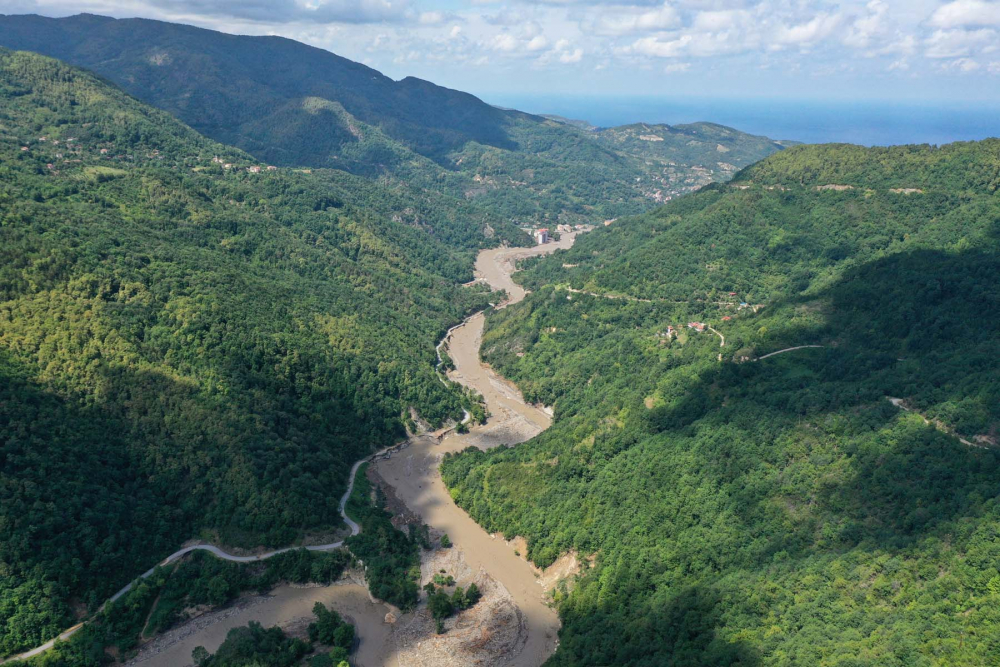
{"x": 414, "y": 474}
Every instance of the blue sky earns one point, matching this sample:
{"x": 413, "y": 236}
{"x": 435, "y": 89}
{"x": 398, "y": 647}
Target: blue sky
{"x": 929, "y": 50}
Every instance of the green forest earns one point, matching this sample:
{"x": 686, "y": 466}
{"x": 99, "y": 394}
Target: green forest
{"x": 777, "y": 416}
{"x": 158, "y": 603}
{"x": 190, "y": 349}
{"x": 327, "y": 111}
{"x": 391, "y": 557}
{"x": 768, "y": 511}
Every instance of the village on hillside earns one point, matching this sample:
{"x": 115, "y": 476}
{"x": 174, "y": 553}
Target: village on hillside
{"x": 61, "y": 153}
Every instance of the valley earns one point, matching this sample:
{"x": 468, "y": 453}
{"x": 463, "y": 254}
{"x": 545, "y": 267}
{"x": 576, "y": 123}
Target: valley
{"x": 271, "y": 320}
{"x": 416, "y": 480}
{"x": 412, "y": 471}
{"x": 327, "y": 112}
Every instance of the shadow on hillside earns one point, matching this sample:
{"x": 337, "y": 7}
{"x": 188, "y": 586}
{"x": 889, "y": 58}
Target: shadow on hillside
{"x": 924, "y": 326}
{"x": 99, "y": 486}
{"x": 684, "y": 629}
{"x": 73, "y": 497}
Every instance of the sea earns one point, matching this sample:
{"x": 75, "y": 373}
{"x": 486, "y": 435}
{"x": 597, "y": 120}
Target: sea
{"x": 868, "y": 123}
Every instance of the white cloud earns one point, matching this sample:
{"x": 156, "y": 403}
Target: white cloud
{"x": 290, "y": 11}
{"x": 505, "y": 42}
{"x": 778, "y": 43}
{"x": 906, "y": 46}
{"x": 505, "y": 17}
{"x": 805, "y": 34}
{"x": 654, "y": 46}
{"x": 531, "y": 29}
{"x": 959, "y": 43}
{"x": 711, "y": 21}
{"x": 868, "y": 26}
{"x": 967, "y": 13}
{"x": 537, "y": 43}
{"x": 574, "y": 56}
{"x": 432, "y": 18}
{"x": 961, "y": 65}
{"x": 633, "y": 19}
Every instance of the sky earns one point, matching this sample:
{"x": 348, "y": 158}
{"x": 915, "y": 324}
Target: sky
{"x": 916, "y": 50}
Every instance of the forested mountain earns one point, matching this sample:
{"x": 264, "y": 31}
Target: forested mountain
{"x": 768, "y": 510}
{"x": 688, "y": 156}
{"x": 192, "y": 342}
{"x": 291, "y": 104}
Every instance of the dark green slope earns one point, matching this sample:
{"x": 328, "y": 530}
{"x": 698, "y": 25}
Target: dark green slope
{"x": 780, "y": 511}
{"x": 220, "y": 83}
{"x": 188, "y": 349}
{"x": 292, "y": 104}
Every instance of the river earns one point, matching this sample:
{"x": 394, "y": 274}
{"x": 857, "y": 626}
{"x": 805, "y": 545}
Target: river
{"x": 414, "y": 475}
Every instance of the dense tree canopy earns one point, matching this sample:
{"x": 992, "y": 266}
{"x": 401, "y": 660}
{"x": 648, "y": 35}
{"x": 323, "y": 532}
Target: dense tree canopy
{"x": 192, "y": 348}
{"x": 780, "y": 511}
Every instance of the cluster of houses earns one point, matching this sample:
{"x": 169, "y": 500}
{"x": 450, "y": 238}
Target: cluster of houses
{"x": 668, "y": 334}
{"x": 253, "y": 169}
{"x": 542, "y": 235}
{"x": 70, "y": 146}
{"x": 671, "y": 331}
{"x": 698, "y": 327}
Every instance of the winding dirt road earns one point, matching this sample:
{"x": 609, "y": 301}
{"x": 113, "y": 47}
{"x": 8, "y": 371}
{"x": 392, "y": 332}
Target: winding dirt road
{"x": 787, "y": 349}
{"x": 220, "y": 553}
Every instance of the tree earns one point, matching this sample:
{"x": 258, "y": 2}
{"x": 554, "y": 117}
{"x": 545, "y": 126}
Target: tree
{"x": 200, "y": 655}
{"x": 440, "y": 604}
{"x": 218, "y": 590}
{"x": 343, "y": 636}
{"x": 472, "y": 595}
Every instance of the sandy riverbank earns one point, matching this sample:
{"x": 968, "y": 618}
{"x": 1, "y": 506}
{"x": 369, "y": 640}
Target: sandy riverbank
{"x": 416, "y": 480}
{"x": 512, "y": 625}
{"x": 288, "y": 607}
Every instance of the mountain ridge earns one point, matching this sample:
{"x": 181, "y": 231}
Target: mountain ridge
{"x": 292, "y": 104}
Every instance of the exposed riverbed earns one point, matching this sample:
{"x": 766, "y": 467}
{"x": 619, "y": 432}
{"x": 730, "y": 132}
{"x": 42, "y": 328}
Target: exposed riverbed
{"x": 515, "y": 597}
